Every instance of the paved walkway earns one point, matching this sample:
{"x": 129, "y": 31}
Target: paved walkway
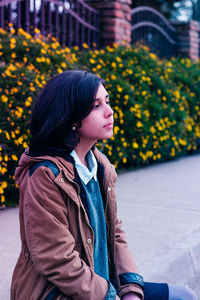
{"x": 160, "y": 208}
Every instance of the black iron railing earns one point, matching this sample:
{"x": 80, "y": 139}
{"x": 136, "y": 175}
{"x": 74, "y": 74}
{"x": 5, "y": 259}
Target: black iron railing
{"x": 72, "y": 22}
{"x": 153, "y": 29}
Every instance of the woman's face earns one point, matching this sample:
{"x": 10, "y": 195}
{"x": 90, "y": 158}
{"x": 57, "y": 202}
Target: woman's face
{"x": 99, "y": 123}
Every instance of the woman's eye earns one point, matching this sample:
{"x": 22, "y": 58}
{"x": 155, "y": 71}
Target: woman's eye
{"x": 96, "y": 106}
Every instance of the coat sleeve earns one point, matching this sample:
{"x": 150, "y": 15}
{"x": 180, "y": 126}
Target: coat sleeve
{"x": 50, "y": 243}
{"x": 128, "y": 278}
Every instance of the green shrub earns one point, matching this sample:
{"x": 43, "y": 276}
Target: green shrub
{"x": 156, "y": 102}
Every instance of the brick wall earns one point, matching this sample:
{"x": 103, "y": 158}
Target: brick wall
{"x": 115, "y": 21}
{"x": 188, "y": 38}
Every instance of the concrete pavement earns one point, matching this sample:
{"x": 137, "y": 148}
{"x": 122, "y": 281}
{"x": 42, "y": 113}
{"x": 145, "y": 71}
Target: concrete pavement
{"x": 160, "y": 208}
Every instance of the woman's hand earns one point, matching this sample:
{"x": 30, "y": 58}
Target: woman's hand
{"x": 131, "y": 296}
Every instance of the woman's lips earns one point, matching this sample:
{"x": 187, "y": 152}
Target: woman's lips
{"x": 109, "y": 125}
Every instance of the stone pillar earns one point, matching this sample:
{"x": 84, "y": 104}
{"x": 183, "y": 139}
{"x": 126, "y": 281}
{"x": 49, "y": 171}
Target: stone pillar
{"x": 188, "y": 38}
{"x": 115, "y": 20}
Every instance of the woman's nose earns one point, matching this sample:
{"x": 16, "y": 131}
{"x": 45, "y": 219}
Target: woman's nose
{"x": 108, "y": 112}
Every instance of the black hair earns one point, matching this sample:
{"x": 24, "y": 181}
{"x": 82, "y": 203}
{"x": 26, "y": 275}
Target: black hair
{"x": 66, "y": 99}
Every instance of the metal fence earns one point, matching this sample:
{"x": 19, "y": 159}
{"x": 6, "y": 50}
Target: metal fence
{"x": 72, "y": 22}
{"x": 152, "y": 29}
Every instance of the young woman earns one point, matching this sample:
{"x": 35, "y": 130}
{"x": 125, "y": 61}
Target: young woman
{"x": 73, "y": 246}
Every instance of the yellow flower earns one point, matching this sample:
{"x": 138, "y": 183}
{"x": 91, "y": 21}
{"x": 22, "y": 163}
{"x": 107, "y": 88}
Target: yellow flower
{"x": 113, "y": 64}
{"x": 13, "y": 134}
{"x": 152, "y": 129}
{"x": 110, "y": 49}
{"x": 139, "y": 124}
{"x": 130, "y": 71}
{"x": 116, "y": 129}
{"x": 32, "y": 88}
{"x": 7, "y": 135}
{"x": 14, "y": 157}
{"x": 149, "y": 153}
{"x": 99, "y": 67}
{"x": 85, "y": 46}
{"x": 12, "y": 67}
{"x": 19, "y": 111}
{"x": 158, "y": 155}
{"x": 25, "y": 43}
{"x": 12, "y": 31}
{"x": 92, "y": 61}
{"x": 182, "y": 142}
{"x": 67, "y": 50}
{"x": 119, "y": 88}
{"x": 43, "y": 51}
{"x": 17, "y": 131}
{"x": 59, "y": 70}
{"x": 147, "y": 113}
{"x": 12, "y": 43}
{"x": 118, "y": 59}
{"x": 144, "y": 93}
{"x": 63, "y": 65}
{"x": 116, "y": 164}
{"x": 25, "y": 145}
{"x": 113, "y": 77}
{"x": 27, "y": 103}
{"x": 4, "y": 98}
{"x": 153, "y": 56}
{"x": 6, "y": 157}
{"x": 177, "y": 94}
{"x": 37, "y": 30}
{"x": 159, "y": 92}
{"x": 124, "y": 160}
{"x": 3, "y": 199}
{"x": 4, "y": 184}
{"x": 3, "y": 170}
{"x": 135, "y": 145}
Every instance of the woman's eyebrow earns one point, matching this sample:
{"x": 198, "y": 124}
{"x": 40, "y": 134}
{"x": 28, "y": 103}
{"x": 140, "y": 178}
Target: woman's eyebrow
{"x": 106, "y": 97}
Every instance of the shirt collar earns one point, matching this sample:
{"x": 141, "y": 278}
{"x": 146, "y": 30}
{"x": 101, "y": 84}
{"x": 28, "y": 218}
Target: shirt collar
{"x": 86, "y": 174}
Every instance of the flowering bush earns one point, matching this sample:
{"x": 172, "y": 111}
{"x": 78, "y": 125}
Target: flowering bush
{"x": 26, "y": 63}
{"x": 156, "y": 102}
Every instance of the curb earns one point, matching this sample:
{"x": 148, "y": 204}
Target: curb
{"x": 177, "y": 264}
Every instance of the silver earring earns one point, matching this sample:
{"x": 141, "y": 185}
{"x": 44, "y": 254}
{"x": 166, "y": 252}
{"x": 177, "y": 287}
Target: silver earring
{"x": 74, "y": 128}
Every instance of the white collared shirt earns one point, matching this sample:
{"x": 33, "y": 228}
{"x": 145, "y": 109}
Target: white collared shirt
{"x": 86, "y": 174}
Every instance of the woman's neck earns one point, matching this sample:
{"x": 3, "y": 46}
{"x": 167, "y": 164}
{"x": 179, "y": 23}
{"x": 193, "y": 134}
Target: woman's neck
{"x": 81, "y": 150}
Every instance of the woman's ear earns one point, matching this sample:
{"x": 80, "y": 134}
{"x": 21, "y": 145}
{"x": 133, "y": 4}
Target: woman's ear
{"x": 76, "y": 125}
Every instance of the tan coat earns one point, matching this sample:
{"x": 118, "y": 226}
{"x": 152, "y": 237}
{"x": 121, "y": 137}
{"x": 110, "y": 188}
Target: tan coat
{"x": 57, "y": 240}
